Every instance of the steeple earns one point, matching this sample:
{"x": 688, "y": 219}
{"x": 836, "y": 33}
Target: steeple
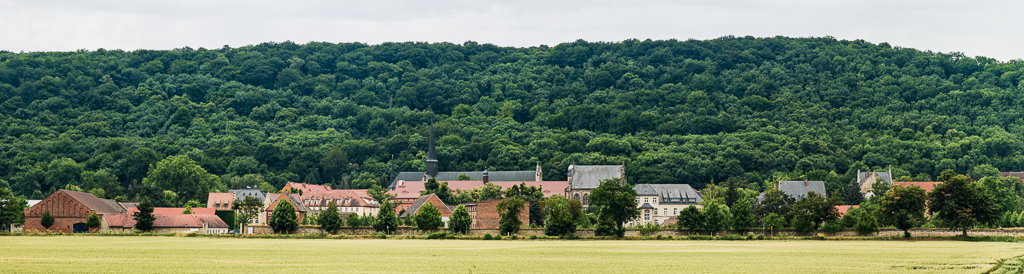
{"x": 431, "y": 154}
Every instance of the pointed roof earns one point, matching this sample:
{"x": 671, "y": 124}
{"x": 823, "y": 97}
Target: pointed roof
{"x": 100, "y": 206}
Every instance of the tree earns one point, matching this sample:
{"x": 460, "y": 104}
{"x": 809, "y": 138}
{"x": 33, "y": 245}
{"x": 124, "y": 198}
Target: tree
{"x": 852, "y": 195}
{"x": 774, "y": 201}
{"x": 93, "y": 221}
{"x": 562, "y": 216}
{"x": 866, "y": 223}
{"x": 774, "y": 222}
{"x": 46, "y": 219}
{"x": 144, "y": 218}
{"x": 902, "y": 207}
{"x": 617, "y": 204}
{"x": 959, "y": 204}
{"x": 386, "y": 220}
{"x": 463, "y": 177}
{"x": 183, "y": 176}
{"x": 248, "y": 209}
{"x": 833, "y": 226}
{"x": 353, "y": 220}
{"x": 508, "y": 211}
{"x": 12, "y": 208}
{"x": 815, "y": 208}
{"x": 742, "y": 215}
{"x": 283, "y": 219}
{"x": 330, "y": 219}
{"x": 460, "y": 221}
{"x": 878, "y": 189}
{"x": 428, "y": 218}
{"x": 691, "y": 219}
{"x": 850, "y": 218}
{"x": 716, "y": 216}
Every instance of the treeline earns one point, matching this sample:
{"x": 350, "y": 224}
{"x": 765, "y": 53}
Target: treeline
{"x": 733, "y": 109}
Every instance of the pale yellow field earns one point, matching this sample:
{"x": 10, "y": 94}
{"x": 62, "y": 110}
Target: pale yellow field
{"x": 222, "y": 255}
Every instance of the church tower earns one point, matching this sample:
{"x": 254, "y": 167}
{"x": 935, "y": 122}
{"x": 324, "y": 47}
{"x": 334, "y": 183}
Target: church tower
{"x": 431, "y": 154}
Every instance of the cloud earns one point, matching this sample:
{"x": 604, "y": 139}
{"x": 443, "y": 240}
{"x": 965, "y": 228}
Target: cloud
{"x": 976, "y": 28}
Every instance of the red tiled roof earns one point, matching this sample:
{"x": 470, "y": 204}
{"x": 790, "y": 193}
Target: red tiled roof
{"x": 346, "y": 197}
{"x": 220, "y": 198}
{"x": 411, "y": 189}
{"x": 127, "y": 220}
{"x": 293, "y": 198}
{"x": 843, "y": 209}
{"x": 306, "y": 188}
{"x": 927, "y": 186}
{"x": 179, "y": 210}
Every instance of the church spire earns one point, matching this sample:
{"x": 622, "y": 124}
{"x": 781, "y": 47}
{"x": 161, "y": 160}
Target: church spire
{"x": 431, "y": 154}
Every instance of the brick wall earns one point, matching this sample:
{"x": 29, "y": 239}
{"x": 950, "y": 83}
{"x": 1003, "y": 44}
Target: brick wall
{"x": 487, "y": 216}
{"x": 65, "y": 210}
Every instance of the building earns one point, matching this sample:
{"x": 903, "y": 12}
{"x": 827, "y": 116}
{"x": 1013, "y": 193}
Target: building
{"x": 240, "y": 194}
{"x": 583, "y": 179}
{"x": 220, "y": 201}
{"x": 485, "y": 214}
{"x": 431, "y": 199}
{"x": 406, "y": 192}
{"x": 447, "y": 176}
{"x": 271, "y": 203}
{"x": 927, "y": 186}
{"x": 659, "y": 203}
{"x": 866, "y": 180}
{"x": 171, "y": 220}
{"x": 70, "y": 210}
{"x": 304, "y": 188}
{"x": 797, "y": 190}
{"x": 348, "y": 201}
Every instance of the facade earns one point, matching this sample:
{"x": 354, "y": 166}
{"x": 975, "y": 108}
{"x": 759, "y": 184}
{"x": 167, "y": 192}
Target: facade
{"x": 170, "y": 220}
{"x": 797, "y": 190}
{"x": 865, "y": 180}
{"x": 348, "y": 201}
{"x": 485, "y": 214}
{"x": 429, "y": 199}
{"x": 583, "y": 179}
{"x": 662, "y": 202}
{"x": 220, "y": 201}
{"x": 406, "y": 192}
{"x": 70, "y": 210}
{"x": 249, "y": 192}
{"x": 271, "y": 203}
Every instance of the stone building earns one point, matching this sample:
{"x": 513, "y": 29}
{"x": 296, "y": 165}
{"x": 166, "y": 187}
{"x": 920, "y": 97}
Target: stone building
{"x": 866, "y": 180}
{"x": 70, "y": 210}
{"x": 583, "y": 179}
{"x": 661, "y": 202}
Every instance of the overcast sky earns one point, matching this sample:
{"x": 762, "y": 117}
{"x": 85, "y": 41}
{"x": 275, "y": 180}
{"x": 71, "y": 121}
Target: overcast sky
{"x": 986, "y": 28}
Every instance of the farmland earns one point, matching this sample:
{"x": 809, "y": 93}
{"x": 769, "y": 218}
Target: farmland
{"x": 182, "y": 254}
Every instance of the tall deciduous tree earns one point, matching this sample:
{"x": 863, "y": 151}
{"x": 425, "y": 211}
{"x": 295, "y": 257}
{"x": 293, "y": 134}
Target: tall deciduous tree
{"x": 774, "y": 201}
{"x": 248, "y": 209}
{"x": 902, "y": 207}
{"x": 508, "y": 210}
{"x": 691, "y": 219}
{"x": 716, "y": 216}
{"x": 387, "y": 220}
{"x": 283, "y": 218}
{"x": 12, "y": 208}
{"x": 617, "y": 204}
{"x": 742, "y": 215}
{"x": 144, "y": 218}
{"x": 428, "y": 218}
{"x": 960, "y": 204}
{"x": 460, "y": 221}
{"x": 562, "y": 215}
{"x": 183, "y": 176}
{"x": 816, "y": 209}
{"x": 330, "y": 219}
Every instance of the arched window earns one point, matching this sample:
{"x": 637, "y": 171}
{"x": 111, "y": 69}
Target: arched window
{"x": 586, "y": 199}
{"x": 576, "y": 196}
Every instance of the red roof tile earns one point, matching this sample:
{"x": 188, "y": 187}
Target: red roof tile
{"x": 411, "y": 189}
{"x": 224, "y": 199}
{"x": 843, "y": 209}
{"x": 179, "y": 210}
{"x": 927, "y": 186}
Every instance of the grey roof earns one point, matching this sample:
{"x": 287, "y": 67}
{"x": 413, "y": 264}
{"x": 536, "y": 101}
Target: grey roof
{"x": 95, "y": 204}
{"x": 589, "y": 177}
{"x": 497, "y": 176}
{"x": 240, "y": 194}
{"x": 670, "y": 193}
{"x": 646, "y": 206}
{"x": 416, "y": 205}
{"x": 798, "y": 189}
{"x": 885, "y": 176}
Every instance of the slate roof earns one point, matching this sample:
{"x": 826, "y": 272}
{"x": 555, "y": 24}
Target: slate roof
{"x": 646, "y": 206}
{"x": 798, "y": 189}
{"x": 519, "y": 176}
{"x": 670, "y": 193}
{"x": 885, "y": 176}
{"x": 254, "y": 192}
{"x": 419, "y": 202}
{"x": 589, "y": 177}
{"x": 100, "y": 206}
{"x": 293, "y": 198}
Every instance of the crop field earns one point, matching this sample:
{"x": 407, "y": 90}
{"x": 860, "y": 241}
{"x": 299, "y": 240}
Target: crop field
{"x": 224, "y": 255}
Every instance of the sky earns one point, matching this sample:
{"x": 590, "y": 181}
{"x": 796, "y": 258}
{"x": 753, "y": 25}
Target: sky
{"x": 975, "y": 28}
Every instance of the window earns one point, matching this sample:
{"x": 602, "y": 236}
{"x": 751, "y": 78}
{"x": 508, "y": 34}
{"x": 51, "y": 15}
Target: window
{"x": 675, "y": 211}
{"x": 646, "y": 200}
{"x": 664, "y": 211}
{"x": 655, "y": 200}
{"x": 647, "y": 217}
{"x": 637, "y": 201}
{"x": 586, "y": 199}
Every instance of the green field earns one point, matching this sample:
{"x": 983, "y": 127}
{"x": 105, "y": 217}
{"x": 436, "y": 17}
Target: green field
{"x": 224, "y": 255}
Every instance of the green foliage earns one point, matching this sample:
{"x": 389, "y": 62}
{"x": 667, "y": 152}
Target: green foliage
{"x": 93, "y": 221}
{"x": 283, "y": 218}
{"x": 428, "y": 217}
{"x": 650, "y": 228}
{"x": 716, "y": 216}
{"x": 386, "y": 221}
{"x": 691, "y": 219}
{"x": 960, "y": 204}
{"x": 563, "y": 215}
{"x": 902, "y": 207}
{"x": 248, "y": 209}
{"x": 144, "y": 217}
{"x": 509, "y": 210}
{"x": 460, "y": 221}
{"x": 183, "y": 176}
{"x": 437, "y": 235}
{"x": 774, "y": 201}
{"x": 330, "y": 219}
{"x": 12, "y": 208}
{"x": 353, "y": 220}
{"x": 850, "y": 218}
{"x": 774, "y": 222}
{"x": 815, "y": 209}
{"x": 833, "y": 226}
{"x": 617, "y": 203}
{"x": 463, "y": 177}
{"x": 866, "y": 223}
{"x": 742, "y": 215}
{"x": 229, "y": 217}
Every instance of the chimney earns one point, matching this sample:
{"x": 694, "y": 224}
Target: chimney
{"x": 486, "y": 177}
{"x": 805, "y": 182}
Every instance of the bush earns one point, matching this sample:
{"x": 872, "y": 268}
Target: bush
{"x": 533, "y": 237}
{"x": 730, "y": 237}
{"x": 428, "y": 217}
{"x": 759, "y": 237}
{"x": 513, "y": 237}
{"x": 750, "y": 237}
{"x": 803, "y": 223}
{"x": 833, "y": 226}
{"x": 330, "y": 220}
{"x": 283, "y": 219}
{"x": 93, "y": 221}
{"x": 353, "y": 220}
{"x": 437, "y": 235}
{"x": 487, "y": 236}
{"x": 497, "y": 237}
{"x": 570, "y": 236}
{"x": 649, "y": 228}
{"x": 460, "y": 221}
{"x": 866, "y": 224}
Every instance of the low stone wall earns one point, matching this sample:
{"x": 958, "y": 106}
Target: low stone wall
{"x": 402, "y": 231}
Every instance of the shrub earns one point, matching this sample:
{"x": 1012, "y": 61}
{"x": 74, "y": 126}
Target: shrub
{"x": 759, "y": 237}
{"x": 570, "y": 236}
{"x": 46, "y": 220}
{"x": 487, "y": 236}
{"x": 428, "y": 218}
{"x": 330, "y": 219}
{"x": 750, "y": 237}
{"x": 866, "y": 223}
{"x": 513, "y": 237}
{"x": 649, "y": 228}
{"x": 353, "y": 220}
{"x": 283, "y": 219}
{"x": 93, "y": 221}
{"x": 730, "y": 237}
{"x": 497, "y": 237}
{"x": 437, "y": 235}
{"x": 533, "y": 237}
{"x": 833, "y": 226}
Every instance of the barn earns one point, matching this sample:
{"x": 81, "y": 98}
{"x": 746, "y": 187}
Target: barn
{"x": 70, "y": 210}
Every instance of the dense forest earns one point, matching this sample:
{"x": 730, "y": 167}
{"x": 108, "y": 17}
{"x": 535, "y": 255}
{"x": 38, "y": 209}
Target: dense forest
{"x": 734, "y": 109}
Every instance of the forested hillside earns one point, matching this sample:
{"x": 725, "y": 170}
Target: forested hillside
{"x": 731, "y": 109}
